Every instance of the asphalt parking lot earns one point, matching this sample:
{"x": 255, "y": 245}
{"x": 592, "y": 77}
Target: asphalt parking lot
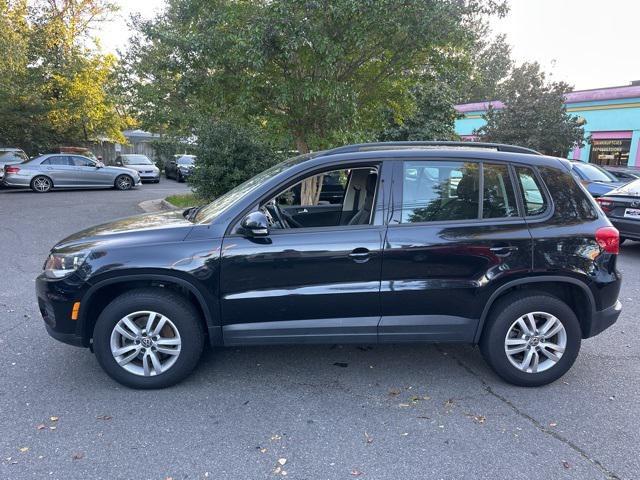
{"x": 312, "y": 412}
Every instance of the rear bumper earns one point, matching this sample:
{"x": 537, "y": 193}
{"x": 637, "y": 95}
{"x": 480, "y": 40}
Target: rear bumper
{"x": 603, "y": 319}
{"x": 17, "y": 180}
{"x": 627, "y": 228}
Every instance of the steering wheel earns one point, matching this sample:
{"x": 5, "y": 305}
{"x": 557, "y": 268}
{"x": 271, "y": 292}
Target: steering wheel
{"x": 274, "y": 214}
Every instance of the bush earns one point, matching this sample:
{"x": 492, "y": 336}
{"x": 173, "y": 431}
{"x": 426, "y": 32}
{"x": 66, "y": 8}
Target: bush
{"x": 228, "y": 154}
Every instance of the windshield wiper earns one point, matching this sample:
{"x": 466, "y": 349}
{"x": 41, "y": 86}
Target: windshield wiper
{"x": 192, "y": 212}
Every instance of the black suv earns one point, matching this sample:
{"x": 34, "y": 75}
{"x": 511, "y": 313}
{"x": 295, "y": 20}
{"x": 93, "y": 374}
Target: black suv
{"x": 430, "y": 242}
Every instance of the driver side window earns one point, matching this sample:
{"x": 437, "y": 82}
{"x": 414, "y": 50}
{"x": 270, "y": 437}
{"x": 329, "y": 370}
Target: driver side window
{"x": 337, "y": 197}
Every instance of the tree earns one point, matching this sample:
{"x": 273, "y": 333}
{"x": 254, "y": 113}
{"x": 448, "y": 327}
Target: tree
{"x": 491, "y": 64}
{"x": 59, "y": 88}
{"x": 228, "y": 155}
{"x": 534, "y": 114}
{"x": 316, "y": 72}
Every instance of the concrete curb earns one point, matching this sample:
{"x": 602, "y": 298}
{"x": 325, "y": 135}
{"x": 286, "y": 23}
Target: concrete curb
{"x": 157, "y": 205}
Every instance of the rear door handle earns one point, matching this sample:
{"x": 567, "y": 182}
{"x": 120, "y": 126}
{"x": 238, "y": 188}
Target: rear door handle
{"x": 360, "y": 254}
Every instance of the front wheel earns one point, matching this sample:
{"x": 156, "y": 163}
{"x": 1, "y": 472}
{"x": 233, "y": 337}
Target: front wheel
{"x": 148, "y": 338}
{"x": 531, "y": 339}
{"x": 124, "y": 182}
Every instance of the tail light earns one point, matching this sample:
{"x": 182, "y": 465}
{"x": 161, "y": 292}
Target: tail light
{"x": 606, "y": 205}
{"x": 11, "y": 169}
{"x": 609, "y": 239}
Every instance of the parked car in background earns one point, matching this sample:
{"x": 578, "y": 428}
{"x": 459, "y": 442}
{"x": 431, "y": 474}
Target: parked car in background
{"x": 10, "y": 156}
{"x": 58, "y": 170}
{"x": 180, "y": 167}
{"x": 430, "y": 243}
{"x": 624, "y": 174}
{"x": 622, "y": 206}
{"x": 595, "y": 178}
{"x": 140, "y": 163}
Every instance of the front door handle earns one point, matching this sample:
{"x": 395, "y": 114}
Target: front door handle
{"x": 503, "y": 249}
{"x": 360, "y": 254}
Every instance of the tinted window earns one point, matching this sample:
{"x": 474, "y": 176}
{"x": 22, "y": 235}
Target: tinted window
{"x": 570, "y": 201}
{"x": 60, "y": 160}
{"x": 439, "y": 191}
{"x": 499, "y": 200}
{"x": 186, "y": 160}
{"x": 532, "y": 197}
{"x": 82, "y": 162}
{"x": 12, "y": 156}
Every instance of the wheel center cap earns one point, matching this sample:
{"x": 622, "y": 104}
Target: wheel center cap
{"x": 534, "y": 341}
{"x": 146, "y": 342}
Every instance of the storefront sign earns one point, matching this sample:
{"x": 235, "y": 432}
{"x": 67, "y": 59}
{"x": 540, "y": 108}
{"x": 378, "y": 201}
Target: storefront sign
{"x": 614, "y": 152}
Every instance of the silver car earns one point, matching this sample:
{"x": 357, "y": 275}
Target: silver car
{"x": 62, "y": 170}
{"x": 141, "y": 163}
{"x": 10, "y": 156}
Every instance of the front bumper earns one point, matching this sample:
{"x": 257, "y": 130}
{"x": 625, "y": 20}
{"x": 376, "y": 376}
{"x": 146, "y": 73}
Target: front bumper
{"x": 603, "y": 319}
{"x": 55, "y": 301}
{"x": 149, "y": 176}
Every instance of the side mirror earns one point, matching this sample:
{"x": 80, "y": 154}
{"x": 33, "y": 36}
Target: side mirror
{"x": 255, "y": 224}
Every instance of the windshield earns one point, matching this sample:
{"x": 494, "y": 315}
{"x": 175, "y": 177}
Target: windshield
{"x": 595, "y": 173}
{"x": 11, "y": 156}
{"x": 136, "y": 160}
{"x": 220, "y": 204}
{"x": 186, "y": 160}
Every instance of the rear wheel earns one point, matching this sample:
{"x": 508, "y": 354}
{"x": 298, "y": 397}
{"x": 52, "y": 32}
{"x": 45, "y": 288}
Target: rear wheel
{"x": 148, "y": 338}
{"x": 531, "y": 339}
{"x": 41, "y": 184}
{"x": 123, "y": 182}
{"x": 179, "y": 177}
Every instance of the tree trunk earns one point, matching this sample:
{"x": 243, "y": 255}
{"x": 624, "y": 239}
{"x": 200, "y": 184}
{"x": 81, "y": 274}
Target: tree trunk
{"x": 311, "y": 187}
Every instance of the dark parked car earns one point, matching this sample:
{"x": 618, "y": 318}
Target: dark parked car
{"x": 596, "y": 179}
{"x": 624, "y": 174}
{"x": 622, "y": 206}
{"x": 488, "y": 245}
{"x": 181, "y": 167}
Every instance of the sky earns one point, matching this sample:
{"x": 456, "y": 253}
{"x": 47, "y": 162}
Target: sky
{"x": 586, "y": 43}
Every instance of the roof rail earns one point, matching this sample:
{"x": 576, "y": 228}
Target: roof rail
{"x": 365, "y": 147}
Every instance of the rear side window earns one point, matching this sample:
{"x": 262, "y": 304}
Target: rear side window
{"x": 531, "y": 190}
{"x": 498, "y": 197}
{"x": 570, "y": 201}
{"x": 438, "y": 191}
{"x": 59, "y": 160}
{"x": 82, "y": 162}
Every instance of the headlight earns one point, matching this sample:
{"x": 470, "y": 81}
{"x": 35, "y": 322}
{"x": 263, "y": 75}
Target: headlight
{"x": 59, "y": 265}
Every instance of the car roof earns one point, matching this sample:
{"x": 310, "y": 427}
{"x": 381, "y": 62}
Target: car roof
{"x": 431, "y": 152}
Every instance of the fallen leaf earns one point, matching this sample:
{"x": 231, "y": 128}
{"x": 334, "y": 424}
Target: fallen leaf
{"x": 404, "y": 405}
{"x": 24, "y": 449}
{"x": 275, "y": 438}
{"x": 566, "y": 464}
{"x": 77, "y": 455}
{"x": 449, "y": 403}
{"x": 54, "y": 419}
{"x": 424, "y": 417}
{"x": 341, "y": 364}
{"x": 479, "y": 419}
{"x": 368, "y": 438}
{"x": 282, "y": 461}
{"x": 52, "y": 428}
{"x": 356, "y": 473}
{"x": 394, "y": 391}
{"x": 553, "y": 424}
{"x": 404, "y": 434}
{"x": 263, "y": 450}
{"x": 41, "y": 426}
{"x": 104, "y": 417}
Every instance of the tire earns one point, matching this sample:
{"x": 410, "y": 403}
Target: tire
{"x": 180, "y": 178}
{"x": 166, "y": 173}
{"x": 183, "y": 322}
{"x": 41, "y": 184}
{"x": 503, "y": 321}
{"x": 123, "y": 182}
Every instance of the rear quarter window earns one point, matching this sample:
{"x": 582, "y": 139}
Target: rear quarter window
{"x": 570, "y": 201}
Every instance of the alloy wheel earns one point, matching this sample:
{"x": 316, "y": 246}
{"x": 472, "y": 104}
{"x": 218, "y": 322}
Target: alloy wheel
{"x": 124, "y": 183}
{"x": 535, "y": 342}
{"x": 145, "y": 343}
{"x": 42, "y": 184}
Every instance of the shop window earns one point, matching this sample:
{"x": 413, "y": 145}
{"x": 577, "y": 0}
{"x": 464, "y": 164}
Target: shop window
{"x": 613, "y": 152}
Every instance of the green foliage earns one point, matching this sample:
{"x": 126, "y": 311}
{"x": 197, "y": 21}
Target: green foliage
{"x": 433, "y": 119}
{"x": 53, "y": 88}
{"x": 312, "y": 73}
{"x": 165, "y": 148}
{"x": 228, "y": 155}
{"x": 184, "y": 200}
{"x": 490, "y": 64}
{"x": 535, "y": 115}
